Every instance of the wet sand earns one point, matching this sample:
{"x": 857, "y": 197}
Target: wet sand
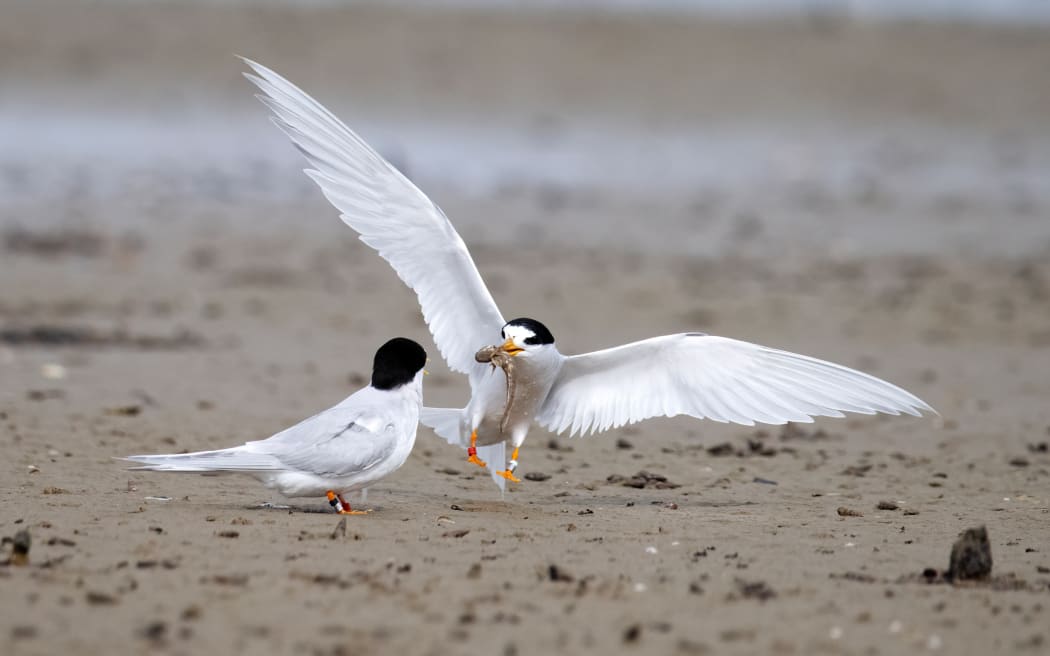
{"x": 155, "y": 302}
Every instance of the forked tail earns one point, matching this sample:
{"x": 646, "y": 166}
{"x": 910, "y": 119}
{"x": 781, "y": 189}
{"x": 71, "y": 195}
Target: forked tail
{"x": 235, "y": 459}
{"x": 447, "y": 423}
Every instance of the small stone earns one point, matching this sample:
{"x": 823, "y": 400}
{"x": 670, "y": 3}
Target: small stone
{"x": 155, "y": 631}
{"x": 755, "y": 590}
{"x": 632, "y": 634}
{"x": 100, "y": 598}
{"x": 843, "y": 511}
{"x": 723, "y": 449}
{"x": 20, "y": 544}
{"x": 971, "y": 556}
{"x": 887, "y": 505}
{"x": 555, "y": 573}
{"x": 537, "y": 476}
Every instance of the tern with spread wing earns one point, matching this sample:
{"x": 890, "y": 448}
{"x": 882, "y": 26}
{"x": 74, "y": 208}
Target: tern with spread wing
{"x": 695, "y": 374}
{"x": 345, "y": 448}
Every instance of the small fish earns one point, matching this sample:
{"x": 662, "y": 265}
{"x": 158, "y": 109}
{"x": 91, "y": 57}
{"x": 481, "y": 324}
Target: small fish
{"x": 499, "y": 358}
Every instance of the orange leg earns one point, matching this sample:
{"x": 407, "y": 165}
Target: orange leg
{"x": 508, "y": 473}
{"x": 341, "y": 505}
{"x": 472, "y": 451}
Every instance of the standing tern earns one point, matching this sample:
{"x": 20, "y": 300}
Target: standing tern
{"x": 695, "y": 374}
{"x": 345, "y": 448}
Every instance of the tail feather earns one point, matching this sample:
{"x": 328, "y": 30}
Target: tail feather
{"x": 446, "y": 422}
{"x": 235, "y": 459}
{"x": 495, "y": 457}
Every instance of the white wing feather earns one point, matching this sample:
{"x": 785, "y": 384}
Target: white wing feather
{"x": 392, "y": 216}
{"x": 339, "y": 441}
{"x": 710, "y": 377}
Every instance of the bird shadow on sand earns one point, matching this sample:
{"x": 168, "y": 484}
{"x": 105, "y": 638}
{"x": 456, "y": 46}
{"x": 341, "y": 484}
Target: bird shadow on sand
{"x": 318, "y": 509}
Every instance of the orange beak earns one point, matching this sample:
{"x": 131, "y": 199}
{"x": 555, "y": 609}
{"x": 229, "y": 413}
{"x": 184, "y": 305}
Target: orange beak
{"x": 510, "y": 349}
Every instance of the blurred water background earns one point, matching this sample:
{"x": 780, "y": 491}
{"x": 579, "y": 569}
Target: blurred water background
{"x": 770, "y": 128}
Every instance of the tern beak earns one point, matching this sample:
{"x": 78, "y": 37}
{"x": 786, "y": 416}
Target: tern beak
{"x": 509, "y": 348}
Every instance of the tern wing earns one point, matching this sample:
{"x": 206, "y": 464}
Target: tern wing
{"x": 710, "y": 377}
{"x": 337, "y": 442}
{"x": 392, "y": 216}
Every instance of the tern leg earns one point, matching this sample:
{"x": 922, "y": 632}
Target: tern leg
{"x": 508, "y": 473}
{"x": 341, "y": 505}
{"x": 472, "y": 450}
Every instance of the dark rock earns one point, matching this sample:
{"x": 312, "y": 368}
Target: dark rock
{"x": 155, "y": 631}
{"x": 755, "y": 590}
{"x": 971, "y": 556}
{"x": 100, "y": 598}
{"x": 537, "y": 476}
{"x": 20, "y": 544}
{"x": 558, "y": 575}
{"x": 723, "y": 449}
{"x": 632, "y": 634}
{"x": 643, "y": 479}
{"x": 887, "y": 505}
{"x": 856, "y": 470}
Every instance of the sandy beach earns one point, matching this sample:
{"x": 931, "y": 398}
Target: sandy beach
{"x": 878, "y": 196}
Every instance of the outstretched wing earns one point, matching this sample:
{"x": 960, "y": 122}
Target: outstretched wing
{"x": 392, "y": 216}
{"x": 711, "y": 378}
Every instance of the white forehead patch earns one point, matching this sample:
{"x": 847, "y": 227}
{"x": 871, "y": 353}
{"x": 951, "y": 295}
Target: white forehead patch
{"x": 518, "y": 333}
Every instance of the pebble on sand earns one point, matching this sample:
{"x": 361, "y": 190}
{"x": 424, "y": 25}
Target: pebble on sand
{"x": 971, "y": 556}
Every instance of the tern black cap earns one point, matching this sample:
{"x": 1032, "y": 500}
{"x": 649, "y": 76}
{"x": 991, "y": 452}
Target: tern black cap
{"x": 396, "y": 363}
